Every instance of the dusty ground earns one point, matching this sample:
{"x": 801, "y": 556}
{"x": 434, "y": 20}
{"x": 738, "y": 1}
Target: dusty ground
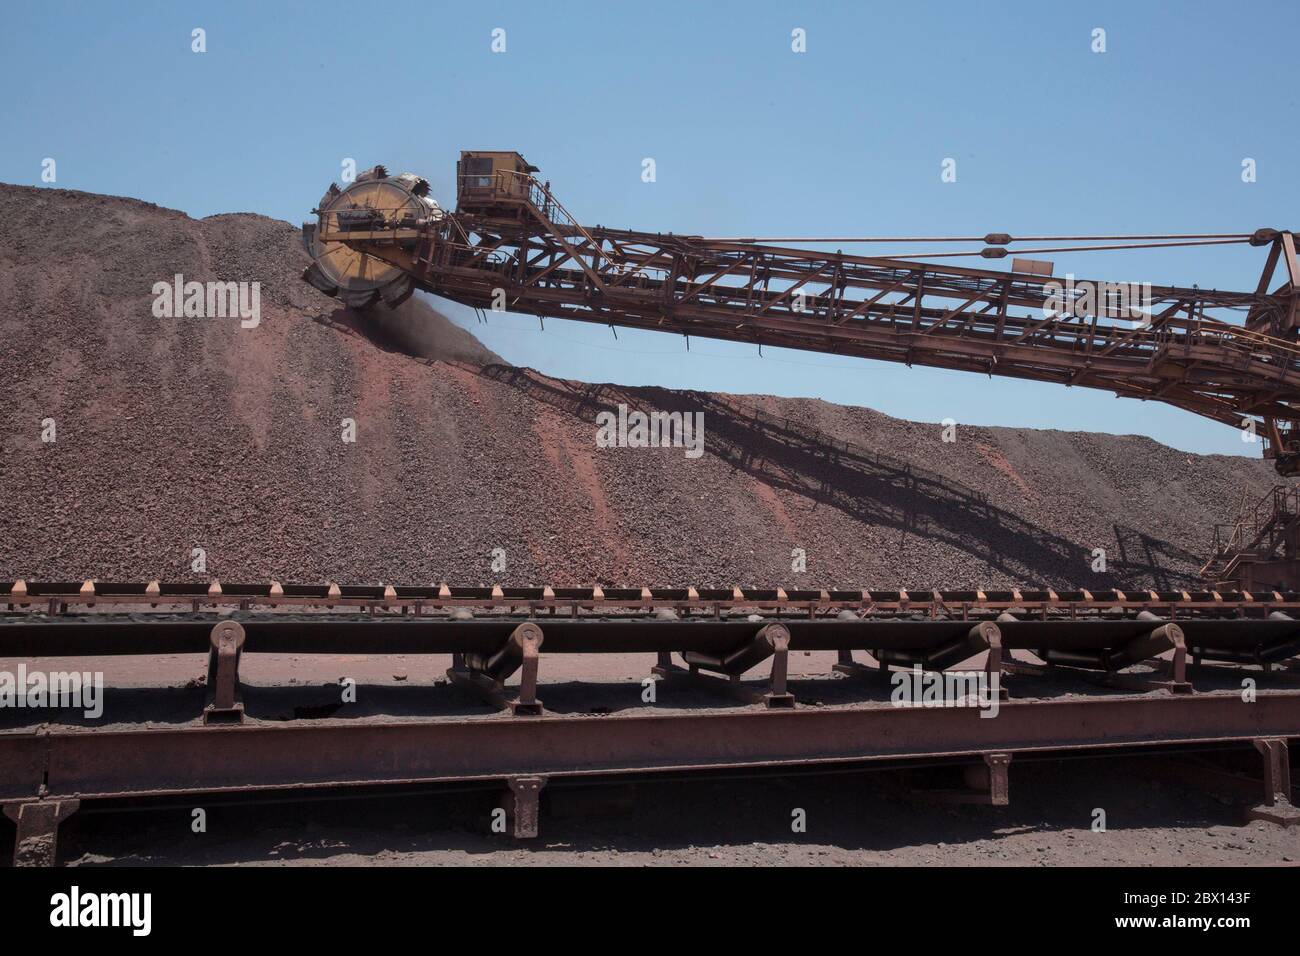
{"x": 852, "y": 820}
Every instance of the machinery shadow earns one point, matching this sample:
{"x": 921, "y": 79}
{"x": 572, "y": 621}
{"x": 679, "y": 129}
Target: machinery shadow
{"x": 861, "y": 816}
{"x": 1138, "y": 549}
{"x": 879, "y": 490}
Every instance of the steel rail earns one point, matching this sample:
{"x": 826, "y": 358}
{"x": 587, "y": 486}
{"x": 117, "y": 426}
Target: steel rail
{"x": 1246, "y": 640}
{"x": 43, "y": 596}
{"x": 107, "y": 764}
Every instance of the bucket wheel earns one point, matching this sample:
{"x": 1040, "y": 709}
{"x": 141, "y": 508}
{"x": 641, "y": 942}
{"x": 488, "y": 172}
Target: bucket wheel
{"x": 374, "y": 201}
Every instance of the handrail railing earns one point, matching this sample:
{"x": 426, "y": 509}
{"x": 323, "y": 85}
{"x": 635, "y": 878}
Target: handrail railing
{"x": 508, "y": 184}
{"x": 1258, "y": 528}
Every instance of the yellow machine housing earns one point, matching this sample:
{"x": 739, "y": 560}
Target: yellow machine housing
{"x": 487, "y": 177}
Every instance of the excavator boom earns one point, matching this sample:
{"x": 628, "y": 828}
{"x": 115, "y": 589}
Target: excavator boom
{"x": 510, "y": 245}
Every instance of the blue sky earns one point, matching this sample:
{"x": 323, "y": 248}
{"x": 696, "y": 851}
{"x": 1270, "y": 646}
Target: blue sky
{"x": 748, "y": 138}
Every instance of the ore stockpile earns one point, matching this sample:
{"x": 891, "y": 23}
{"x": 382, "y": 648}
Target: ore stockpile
{"x": 182, "y": 433}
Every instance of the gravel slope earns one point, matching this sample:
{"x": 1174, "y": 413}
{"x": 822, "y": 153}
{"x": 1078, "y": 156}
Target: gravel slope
{"x": 174, "y": 434}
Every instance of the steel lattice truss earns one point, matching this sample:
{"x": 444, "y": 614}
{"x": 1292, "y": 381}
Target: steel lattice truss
{"x": 1229, "y": 356}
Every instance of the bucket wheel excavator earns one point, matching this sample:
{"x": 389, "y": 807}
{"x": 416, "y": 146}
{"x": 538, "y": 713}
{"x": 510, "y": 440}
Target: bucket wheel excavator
{"x": 347, "y": 270}
{"x": 510, "y": 245}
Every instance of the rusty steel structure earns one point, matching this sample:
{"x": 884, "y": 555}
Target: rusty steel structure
{"x": 55, "y": 598}
{"x": 1073, "y": 673}
{"x": 510, "y": 244}
{"x": 47, "y": 774}
{"x": 1143, "y": 640}
{"x": 1261, "y": 549}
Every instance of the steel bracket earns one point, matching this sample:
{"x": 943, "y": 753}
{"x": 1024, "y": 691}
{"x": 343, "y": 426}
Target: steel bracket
{"x": 37, "y": 841}
{"x": 999, "y": 786}
{"x": 1277, "y": 807}
{"x": 484, "y": 675}
{"x": 225, "y": 705}
{"x": 523, "y": 805}
{"x": 984, "y": 637}
{"x": 724, "y": 671}
{"x": 1165, "y": 637}
{"x": 1162, "y": 638}
{"x": 987, "y": 783}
